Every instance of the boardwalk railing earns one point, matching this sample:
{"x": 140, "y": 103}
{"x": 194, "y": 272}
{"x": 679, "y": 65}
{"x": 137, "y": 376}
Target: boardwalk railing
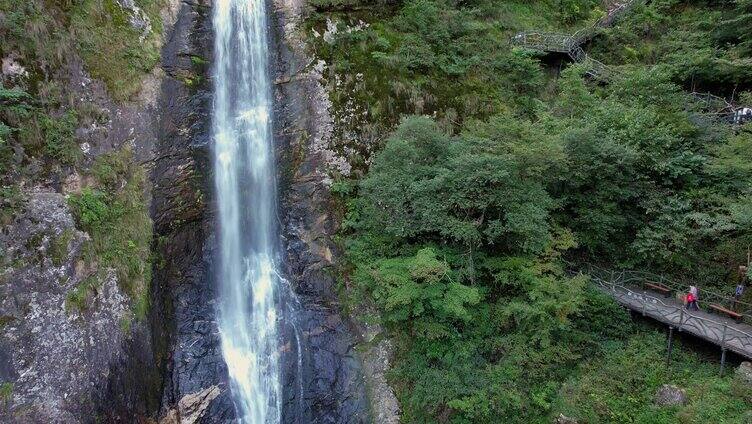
{"x": 571, "y": 43}
{"x": 544, "y": 41}
{"x": 641, "y": 279}
{"x": 704, "y": 104}
{"x": 723, "y": 334}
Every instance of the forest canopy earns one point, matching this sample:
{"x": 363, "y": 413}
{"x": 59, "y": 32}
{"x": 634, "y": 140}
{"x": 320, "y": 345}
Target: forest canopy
{"x": 505, "y": 169}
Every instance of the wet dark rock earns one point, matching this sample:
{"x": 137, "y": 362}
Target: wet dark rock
{"x": 332, "y": 379}
{"x": 186, "y": 336}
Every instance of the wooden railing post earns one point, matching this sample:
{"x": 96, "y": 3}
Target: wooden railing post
{"x": 681, "y": 318}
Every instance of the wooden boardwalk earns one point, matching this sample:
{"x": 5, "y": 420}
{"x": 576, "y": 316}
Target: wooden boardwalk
{"x": 716, "y": 329}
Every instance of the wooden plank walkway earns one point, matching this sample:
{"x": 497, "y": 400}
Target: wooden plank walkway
{"x": 716, "y": 329}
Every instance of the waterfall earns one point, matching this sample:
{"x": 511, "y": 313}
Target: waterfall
{"x": 245, "y": 177}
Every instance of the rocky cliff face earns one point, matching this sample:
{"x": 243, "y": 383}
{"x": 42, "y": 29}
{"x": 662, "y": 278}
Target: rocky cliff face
{"x": 333, "y": 384}
{"x": 71, "y": 351}
{"x": 186, "y": 334}
{"x": 54, "y": 356}
{"x": 345, "y": 378}
{"x": 71, "y": 348}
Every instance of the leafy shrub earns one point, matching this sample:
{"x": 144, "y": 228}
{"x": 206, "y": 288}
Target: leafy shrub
{"x": 475, "y": 190}
{"x": 418, "y": 288}
{"x": 92, "y": 209}
{"x": 59, "y": 138}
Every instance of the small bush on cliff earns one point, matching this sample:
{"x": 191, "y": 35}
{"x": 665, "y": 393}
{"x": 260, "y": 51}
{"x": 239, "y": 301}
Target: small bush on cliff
{"x": 11, "y": 201}
{"x": 78, "y": 298}
{"x": 50, "y": 137}
{"x": 59, "y": 138}
{"x": 6, "y": 391}
{"x": 92, "y": 209}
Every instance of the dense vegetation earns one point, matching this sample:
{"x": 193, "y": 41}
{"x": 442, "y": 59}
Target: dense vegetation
{"x": 621, "y": 384}
{"x": 499, "y": 167}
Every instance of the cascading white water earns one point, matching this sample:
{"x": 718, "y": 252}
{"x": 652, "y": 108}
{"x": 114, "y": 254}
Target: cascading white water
{"x": 246, "y": 196}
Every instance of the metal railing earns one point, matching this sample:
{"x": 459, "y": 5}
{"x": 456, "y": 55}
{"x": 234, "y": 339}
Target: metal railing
{"x": 641, "y": 278}
{"x": 571, "y": 44}
{"x": 717, "y": 108}
{"x": 727, "y": 336}
{"x": 712, "y": 103}
{"x": 544, "y": 41}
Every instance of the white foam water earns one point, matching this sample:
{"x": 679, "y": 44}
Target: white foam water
{"x": 246, "y": 198}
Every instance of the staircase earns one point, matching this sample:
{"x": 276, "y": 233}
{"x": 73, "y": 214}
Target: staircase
{"x": 705, "y": 104}
{"x": 571, "y": 44}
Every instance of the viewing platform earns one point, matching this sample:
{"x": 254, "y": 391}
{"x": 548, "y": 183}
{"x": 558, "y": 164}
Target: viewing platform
{"x": 656, "y": 297}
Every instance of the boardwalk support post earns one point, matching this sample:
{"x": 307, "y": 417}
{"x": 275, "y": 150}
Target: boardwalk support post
{"x": 670, "y": 345}
{"x": 723, "y": 348}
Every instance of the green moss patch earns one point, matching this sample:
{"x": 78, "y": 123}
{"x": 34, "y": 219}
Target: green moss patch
{"x": 115, "y": 214}
{"x": 78, "y": 298}
{"x": 59, "y": 247}
{"x": 113, "y": 50}
{"x": 100, "y": 30}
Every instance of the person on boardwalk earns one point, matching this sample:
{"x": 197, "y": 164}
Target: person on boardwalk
{"x": 739, "y": 291}
{"x": 737, "y": 295}
{"x": 692, "y": 299}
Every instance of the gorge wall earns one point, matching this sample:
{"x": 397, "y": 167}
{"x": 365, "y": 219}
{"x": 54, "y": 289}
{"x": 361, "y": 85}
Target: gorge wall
{"x": 75, "y": 340}
{"x": 76, "y": 344}
{"x": 355, "y": 369}
{"x": 335, "y": 386}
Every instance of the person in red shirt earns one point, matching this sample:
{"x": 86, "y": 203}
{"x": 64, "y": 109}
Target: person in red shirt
{"x": 692, "y": 299}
